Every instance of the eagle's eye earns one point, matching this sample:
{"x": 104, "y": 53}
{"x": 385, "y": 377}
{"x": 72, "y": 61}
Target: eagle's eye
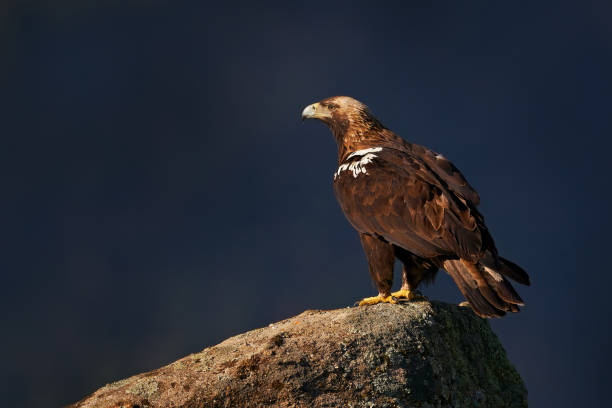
{"x": 331, "y": 106}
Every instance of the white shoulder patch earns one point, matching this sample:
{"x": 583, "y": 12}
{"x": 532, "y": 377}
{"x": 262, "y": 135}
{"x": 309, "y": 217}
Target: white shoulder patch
{"x": 363, "y": 152}
{"x": 358, "y": 167}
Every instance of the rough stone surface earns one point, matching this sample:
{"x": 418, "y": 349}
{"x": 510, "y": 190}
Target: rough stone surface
{"x": 418, "y": 354}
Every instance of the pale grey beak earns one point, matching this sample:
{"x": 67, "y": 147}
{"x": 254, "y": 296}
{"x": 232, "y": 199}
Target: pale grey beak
{"x": 317, "y": 111}
{"x": 309, "y": 111}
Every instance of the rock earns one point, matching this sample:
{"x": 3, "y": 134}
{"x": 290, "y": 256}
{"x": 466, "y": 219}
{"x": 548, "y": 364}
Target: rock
{"x": 417, "y": 354}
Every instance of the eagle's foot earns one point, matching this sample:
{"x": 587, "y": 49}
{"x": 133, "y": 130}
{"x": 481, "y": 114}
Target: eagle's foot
{"x": 408, "y": 294}
{"x": 377, "y": 299}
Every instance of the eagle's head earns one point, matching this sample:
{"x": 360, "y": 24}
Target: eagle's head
{"x": 344, "y": 116}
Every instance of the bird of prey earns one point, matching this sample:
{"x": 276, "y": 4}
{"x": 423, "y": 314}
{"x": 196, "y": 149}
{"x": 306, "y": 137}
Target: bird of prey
{"x": 410, "y": 203}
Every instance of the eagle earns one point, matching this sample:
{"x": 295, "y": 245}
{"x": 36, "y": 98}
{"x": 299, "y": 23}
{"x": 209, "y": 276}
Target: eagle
{"x": 410, "y": 203}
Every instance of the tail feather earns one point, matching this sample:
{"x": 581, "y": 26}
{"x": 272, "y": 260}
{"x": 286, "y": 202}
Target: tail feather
{"x": 515, "y": 272}
{"x": 490, "y": 294}
{"x": 469, "y": 288}
{"x": 506, "y": 268}
{"x": 485, "y": 287}
{"x": 503, "y": 288}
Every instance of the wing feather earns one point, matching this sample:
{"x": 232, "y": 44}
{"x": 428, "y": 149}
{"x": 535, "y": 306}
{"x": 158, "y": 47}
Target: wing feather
{"x": 402, "y": 200}
{"x": 447, "y": 171}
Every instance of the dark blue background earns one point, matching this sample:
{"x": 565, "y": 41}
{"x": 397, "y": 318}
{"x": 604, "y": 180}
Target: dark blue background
{"x": 160, "y": 193}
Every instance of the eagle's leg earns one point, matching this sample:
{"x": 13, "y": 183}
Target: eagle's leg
{"x": 410, "y": 281}
{"x": 380, "y": 261}
{"x": 412, "y": 274}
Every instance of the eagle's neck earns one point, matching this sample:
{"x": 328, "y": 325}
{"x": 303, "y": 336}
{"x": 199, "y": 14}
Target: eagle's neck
{"x": 354, "y": 140}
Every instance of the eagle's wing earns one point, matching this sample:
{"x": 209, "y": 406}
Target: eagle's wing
{"x": 447, "y": 172}
{"x": 394, "y": 195}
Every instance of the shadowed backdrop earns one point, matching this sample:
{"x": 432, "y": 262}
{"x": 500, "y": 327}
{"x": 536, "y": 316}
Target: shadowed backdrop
{"x": 160, "y": 193}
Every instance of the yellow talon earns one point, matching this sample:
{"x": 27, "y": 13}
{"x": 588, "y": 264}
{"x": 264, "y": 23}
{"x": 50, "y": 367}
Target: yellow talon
{"x": 406, "y": 294}
{"x": 377, "y": 299}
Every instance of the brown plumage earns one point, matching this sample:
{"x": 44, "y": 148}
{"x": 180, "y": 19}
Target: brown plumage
{"x": 410, "y": 203}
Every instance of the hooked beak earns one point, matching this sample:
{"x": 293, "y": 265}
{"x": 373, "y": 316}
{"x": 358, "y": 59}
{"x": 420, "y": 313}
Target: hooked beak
{"x": 315, "y": 111}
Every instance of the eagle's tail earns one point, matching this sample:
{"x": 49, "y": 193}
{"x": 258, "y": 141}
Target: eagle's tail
{"x": 486, "y": 288}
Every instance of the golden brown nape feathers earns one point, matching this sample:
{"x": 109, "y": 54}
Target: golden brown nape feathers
{"x": 410, "y": 203}
{"x": 352, "y": 124}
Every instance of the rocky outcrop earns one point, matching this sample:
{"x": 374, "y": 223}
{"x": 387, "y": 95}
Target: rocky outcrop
{"x": 418, "y": 354}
